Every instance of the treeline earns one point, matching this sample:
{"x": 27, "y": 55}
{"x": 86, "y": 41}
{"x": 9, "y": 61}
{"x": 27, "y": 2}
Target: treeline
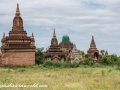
{"x": 111, "y": 60}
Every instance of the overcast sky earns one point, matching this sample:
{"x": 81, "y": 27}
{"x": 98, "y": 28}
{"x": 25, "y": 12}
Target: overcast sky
{"x": 79, "y": 19}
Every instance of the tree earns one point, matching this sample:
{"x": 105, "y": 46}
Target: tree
{"x": 82, "y": 53}
{"x": 109, "y": 59}
{"x": 118, "y": 63}
{"x": 39, "y": 56}
{"x": 102, "y": 52}
{"x": 87, "y": 61}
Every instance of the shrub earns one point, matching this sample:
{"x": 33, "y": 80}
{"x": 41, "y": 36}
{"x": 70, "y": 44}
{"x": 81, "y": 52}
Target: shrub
{"x": 65, "y": 64}
{"x": 87, "y": 61}
{"x": 57, "y": 64}
{"x": 109, "y": 60}
{"x": 118, "y": 64}
{"x": 39, "y": 56}
{"x": 48, "y": 63}
{"x": 74, "y": 65}
{"x": 24, "y": 66}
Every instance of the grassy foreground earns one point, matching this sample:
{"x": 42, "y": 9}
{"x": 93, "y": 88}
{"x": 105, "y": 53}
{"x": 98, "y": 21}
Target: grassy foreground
{"x": 81, "y": 78}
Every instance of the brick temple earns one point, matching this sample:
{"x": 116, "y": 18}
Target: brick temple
{"x": 17, "y": 49}
{"x": 66, "y": 45}
{"x": 54, "y": 53}
{"x": 93, "y": 52}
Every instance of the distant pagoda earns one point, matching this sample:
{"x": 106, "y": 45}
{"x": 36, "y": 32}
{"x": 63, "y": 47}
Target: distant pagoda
{"x": 106, "y": 53}
{"x": 54, "y": 53}
{"x": 74, "y": 56}
{"x": 93, "y": 52}
{"x": 17, "y": 48}
{"x": 66, "y": 45}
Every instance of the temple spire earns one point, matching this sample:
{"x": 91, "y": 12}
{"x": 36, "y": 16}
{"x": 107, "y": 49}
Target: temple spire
{"x": 3, "y": 34}
{"x": 32, "y": 34}
{"x": 54, "y": 34}
{"x": 17, "y": 10}
{"x": 93, "y": 43}
{"x": 17, "y": 21}
{"x": 74, "y": 47}
{"x": 106, "y": 53}
{"x": 93, "y": 39}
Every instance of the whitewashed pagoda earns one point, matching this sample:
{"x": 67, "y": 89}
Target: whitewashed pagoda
{"x": 74, "y": 56}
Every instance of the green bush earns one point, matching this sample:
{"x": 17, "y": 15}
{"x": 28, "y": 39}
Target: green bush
{"x": 48, "y": 64}
{"x": 68, "y": 64}
{"x": 57, "y": 64}
{"x": 109, "y": 60}
{"x": 65, "y": 64}
{"x": 39, "y": 56}
{"x": 87, "y": 61}
{"x": 24, "y": 66}
{"x": 118, "y": 63}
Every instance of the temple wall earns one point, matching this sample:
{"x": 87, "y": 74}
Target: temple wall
{"x": 18, "y": 58}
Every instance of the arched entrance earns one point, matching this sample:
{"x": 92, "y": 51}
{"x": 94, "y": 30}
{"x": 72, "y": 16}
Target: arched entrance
{"x": 95, "y": 56}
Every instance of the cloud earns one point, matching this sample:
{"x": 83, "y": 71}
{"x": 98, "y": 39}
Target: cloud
{"x": 79, "y": 19}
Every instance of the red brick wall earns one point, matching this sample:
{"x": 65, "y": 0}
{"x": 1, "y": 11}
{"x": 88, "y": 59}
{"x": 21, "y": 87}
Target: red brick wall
{"x": 18, "y": 58}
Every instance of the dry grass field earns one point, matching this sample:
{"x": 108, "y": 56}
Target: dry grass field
{"x": 81, "y": 78}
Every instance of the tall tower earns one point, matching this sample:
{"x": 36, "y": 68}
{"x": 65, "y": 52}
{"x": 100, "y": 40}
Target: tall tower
{"x": 18, "y": 48}
{"x": 93, "y": 52}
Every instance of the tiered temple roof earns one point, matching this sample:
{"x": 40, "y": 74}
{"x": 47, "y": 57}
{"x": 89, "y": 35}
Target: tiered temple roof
{"x": 93, "y": 52}
{"x": 54, "y": 52}
{"x": 17, "y": 38}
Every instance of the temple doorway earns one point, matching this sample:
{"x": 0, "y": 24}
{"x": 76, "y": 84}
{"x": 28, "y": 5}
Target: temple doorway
{"x": 95, "y": 56}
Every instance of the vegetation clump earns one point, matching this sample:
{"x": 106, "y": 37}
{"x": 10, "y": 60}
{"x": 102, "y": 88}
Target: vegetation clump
{"x": 111, "y": 60}
{"x": 39, "y": 56}
{"x": 58, "y": 64}
{"x": 87, "y": 61}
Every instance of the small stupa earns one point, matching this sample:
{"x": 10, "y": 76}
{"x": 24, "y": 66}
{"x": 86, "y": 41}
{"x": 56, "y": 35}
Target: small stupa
{"x": 74, "y": 56}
